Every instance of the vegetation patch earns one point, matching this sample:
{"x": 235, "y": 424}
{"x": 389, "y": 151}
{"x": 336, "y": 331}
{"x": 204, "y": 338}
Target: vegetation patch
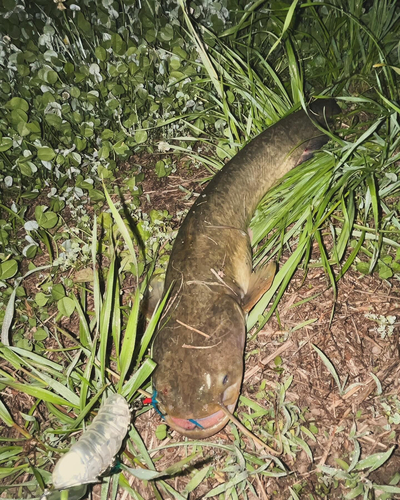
{"x": 113, "y": 117}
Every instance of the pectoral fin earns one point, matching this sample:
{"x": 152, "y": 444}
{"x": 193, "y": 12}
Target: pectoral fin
{"x": 260, "y": 281}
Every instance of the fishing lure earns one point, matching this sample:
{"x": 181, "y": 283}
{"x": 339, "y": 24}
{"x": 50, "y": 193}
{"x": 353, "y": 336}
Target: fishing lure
{"x": 94, "y": 452}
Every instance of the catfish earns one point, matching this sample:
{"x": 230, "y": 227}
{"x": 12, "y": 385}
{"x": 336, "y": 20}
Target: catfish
{"x": 200, "y": 340}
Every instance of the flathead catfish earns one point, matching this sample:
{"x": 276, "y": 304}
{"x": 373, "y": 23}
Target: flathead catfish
{"x": 199, "y": 344}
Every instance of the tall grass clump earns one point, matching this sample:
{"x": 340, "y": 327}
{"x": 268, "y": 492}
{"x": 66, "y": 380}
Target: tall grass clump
{"x": 342, "y": 191}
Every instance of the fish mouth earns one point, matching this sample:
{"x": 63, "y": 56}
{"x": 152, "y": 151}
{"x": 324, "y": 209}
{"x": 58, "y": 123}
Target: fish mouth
{"x": 203, "y": 427}
{"x": 200, "y": 428}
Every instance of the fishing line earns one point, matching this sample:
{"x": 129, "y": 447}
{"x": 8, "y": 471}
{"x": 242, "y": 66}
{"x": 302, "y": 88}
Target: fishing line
{"x": 195, "y": 423}
{"x": 153, "y": 402}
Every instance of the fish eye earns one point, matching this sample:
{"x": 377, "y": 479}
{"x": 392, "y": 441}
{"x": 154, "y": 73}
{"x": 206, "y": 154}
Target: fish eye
{"x": 225, "y": 380}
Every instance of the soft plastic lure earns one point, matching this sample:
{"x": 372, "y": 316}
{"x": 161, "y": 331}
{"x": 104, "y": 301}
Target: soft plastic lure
{"x": 94, "y": 452}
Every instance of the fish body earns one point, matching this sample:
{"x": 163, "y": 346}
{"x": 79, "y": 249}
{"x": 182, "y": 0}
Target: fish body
{"x": 199, "y": 344}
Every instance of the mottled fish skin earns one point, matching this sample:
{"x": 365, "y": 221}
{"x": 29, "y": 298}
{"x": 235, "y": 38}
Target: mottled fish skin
{"x": 200, "y": 341}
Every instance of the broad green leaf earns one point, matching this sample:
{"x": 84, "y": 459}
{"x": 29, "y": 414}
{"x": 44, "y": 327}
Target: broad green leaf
{"x": 48, "y": 220}
{"x": 53, "y": 120}
{"x": 5, "y": 143}
{"x": 160, "y": 169}
{"x": 23, "y": 129}
{"x": 41, "y": 299}
{"x": 8, "y": 269}
{"x": 18, "y": 103}
{"x": 161, "y": 432}
{"x": 45, "y": 153}
{"x": 96, "y": 195}
{"x": 66, "y": 306}
{"x": 100, "y": 53}
{"x": 18, "y": 116}
{"x": 40, "y": 334}
{"x": 117, "y": 43}
{"x": 58, "y": 291}
{"x": 141, "y": 136}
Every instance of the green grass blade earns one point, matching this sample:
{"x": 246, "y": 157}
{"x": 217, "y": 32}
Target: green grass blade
{"x": 105, "y": 317}
{"x": 286, "y": 24}
{"x": 96, "y": 281}
{"x": 87, "y": 377}
{"x": 56, "y": 386}
{"x": 329, "y": 365}
{"x": 281, "y": 280}
{"x": 116, "y": 322}
{"x": 84, "y": 329}
{"x": 60, "y": 416}
{"x": 152, "y": 326}
{"x": 352, "y": 257}
{"x": 296, "y": 78}
{"x": 41, "y": 361}
{"x": 141, "y": 447}
{"x": 138, "y": 379}
{"x": 37, "y": 392}
{"x": 8, "y": 316}
{"x": 129, "y": 342}
{"x": 371, "y": 182}
{"x": 196, "y": 480}
{"x": 325, "y": 263}
{"x": 5, "y": 415}
{"x": 374, "y": 461}
{"x": 123, "y": 230}
{"x": 226, "y": 486}
{"x": 202, "y": 51}
{"x": 349, "y": 215}
{"x": 123, "y": 482}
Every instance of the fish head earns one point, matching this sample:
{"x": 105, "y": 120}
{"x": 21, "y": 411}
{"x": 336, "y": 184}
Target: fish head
{"x": 200, "y": 366}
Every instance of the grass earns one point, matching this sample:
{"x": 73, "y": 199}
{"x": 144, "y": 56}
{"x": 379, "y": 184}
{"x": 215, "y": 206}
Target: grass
{"x": 84, "y": 90}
